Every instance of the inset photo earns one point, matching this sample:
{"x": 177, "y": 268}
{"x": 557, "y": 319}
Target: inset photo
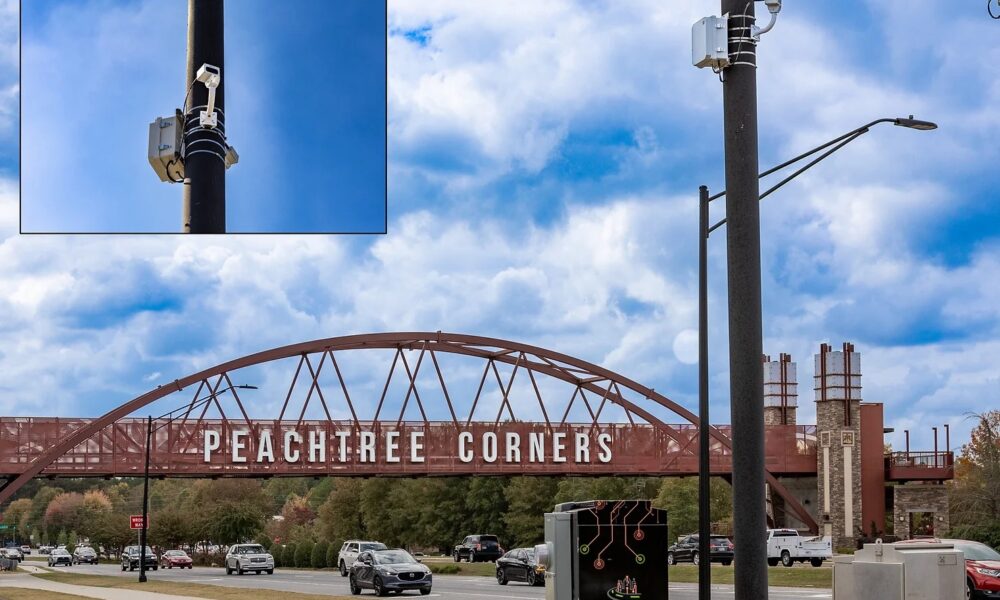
{"x": 203, "y": 116}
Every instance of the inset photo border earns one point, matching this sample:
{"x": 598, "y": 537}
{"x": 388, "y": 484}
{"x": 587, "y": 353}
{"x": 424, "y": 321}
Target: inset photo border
{"x": 303, "y": 132}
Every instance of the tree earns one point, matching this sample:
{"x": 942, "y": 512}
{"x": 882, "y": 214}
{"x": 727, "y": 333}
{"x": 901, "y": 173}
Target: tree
{"x": 340, "y": 517}
{"x": 295, "y": 513}
{"x": 303, "y": 555}
{"x": 65, "y": 511}
{"x": 71, "y": 542}
{"x": 170, "y": 528}
{"x": 679, "y": 497}
{"x": 332, "y": 550}
{"x": 17, "y": 515}
{"x": 39, "y": 504}
{"x": 528, "y": 499}
{"x": 319, "y": 552}
{"x": 233, "y": 523}
{"x": 288, "y": 556}
{"x": 61, "y": 538}
{"x": 487, "y": 504}
{"x": 975, "y": 495}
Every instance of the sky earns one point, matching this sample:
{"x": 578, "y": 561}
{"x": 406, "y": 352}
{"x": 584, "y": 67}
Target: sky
{"x": 544, "y": 161}
{"x": 305, "y": 102}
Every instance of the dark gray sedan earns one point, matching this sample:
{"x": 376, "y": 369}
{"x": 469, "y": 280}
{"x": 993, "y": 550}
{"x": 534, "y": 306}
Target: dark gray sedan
{"x": 389, "y": 571}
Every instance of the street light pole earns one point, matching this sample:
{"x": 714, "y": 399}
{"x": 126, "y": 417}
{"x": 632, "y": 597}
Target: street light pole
{"x": 145, "y": 503}
{"x": 705, "y": 231}
{"x": 704, "y": 494}
{"x": 204, "y": 203}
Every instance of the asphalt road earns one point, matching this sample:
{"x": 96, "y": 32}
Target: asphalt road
{"x": 451, "y": 587}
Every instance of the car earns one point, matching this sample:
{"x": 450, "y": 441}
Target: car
{"x": 131, "y": 556}
{"x": 350, "y": 551}
{"x": 480, "y": 547}
{"x": 175, "y": 558}
{"x": 84, "y": 554}
{"x": 26, "y": 550}
{"x": 13, "y": 553}
{"x": 45, "y": 549}
{"x": 520, "y": 565}
{"x": 389, "y": 571}
{"x": 982, "y": 567}
{"x": 59, "y": 556}
{"x": 686, "y": 549}
{"x": 248, "y": 557}
{"x": 788, "y": 547}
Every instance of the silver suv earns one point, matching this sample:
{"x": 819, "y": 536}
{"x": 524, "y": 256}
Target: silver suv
{"x": 248, "y": 557}
{"x": 349, "y": 553}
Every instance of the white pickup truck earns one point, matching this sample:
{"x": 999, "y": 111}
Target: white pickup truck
{"x": 788, "y": 547}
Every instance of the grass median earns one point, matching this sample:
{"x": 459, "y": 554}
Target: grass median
{"x": 798, "y": 576}
{"x": 211, "y": 592}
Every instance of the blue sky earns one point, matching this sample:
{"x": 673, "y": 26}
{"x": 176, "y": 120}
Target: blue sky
{"x": 305, "y": 99}
{"x": 544, "y": 165}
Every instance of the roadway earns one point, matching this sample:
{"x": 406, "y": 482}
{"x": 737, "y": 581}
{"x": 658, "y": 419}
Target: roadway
{"x": 449, "y": 587}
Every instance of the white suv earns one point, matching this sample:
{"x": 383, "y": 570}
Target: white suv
{"x": 248, "y": 557}
{"x": 349, "y": 553}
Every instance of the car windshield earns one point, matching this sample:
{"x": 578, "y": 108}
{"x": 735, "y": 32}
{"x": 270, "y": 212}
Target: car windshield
{"x": 393, "y": 557}
{"x": 977, "y": 551}
{"x": 176, "y": 553}
{"x": 86, "y": 551}
{"x": 58, "y": 552}
{"x": 255, "y": 549}
{"x": 373, "y": 546}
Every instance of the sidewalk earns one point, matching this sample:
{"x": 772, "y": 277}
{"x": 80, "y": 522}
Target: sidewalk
{"x": 27, "y": 581}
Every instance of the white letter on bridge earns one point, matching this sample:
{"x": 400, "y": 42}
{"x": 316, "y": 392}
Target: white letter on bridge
{"x": 212, "y": 440}
{"x": 464, "y": 454}
{"x": 292, "y": 455}
{"x": 239, "y": 445}
{"x": 265, "y": 448}
{"x": 317, "y": 445}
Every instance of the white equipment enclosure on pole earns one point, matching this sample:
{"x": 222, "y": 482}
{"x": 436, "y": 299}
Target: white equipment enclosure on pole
{"x": 165, "y": 139}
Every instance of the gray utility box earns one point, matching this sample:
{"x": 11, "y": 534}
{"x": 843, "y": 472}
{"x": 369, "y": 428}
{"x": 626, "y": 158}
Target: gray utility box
{"x": 904, "y": 571}
{"x": 605, "y": 549}
{"x": 710, "y": 42}
{"x": 165, "y": 139}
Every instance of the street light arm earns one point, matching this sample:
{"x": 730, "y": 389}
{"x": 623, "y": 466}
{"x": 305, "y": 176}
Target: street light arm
{"x": 849, "y": 136}
{"x": 198, "y": 403}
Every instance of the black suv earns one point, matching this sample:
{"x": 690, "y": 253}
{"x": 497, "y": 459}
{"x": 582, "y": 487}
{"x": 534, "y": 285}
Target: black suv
{"x": 130, "y": 559}
{"x": 475, "y": 548}
{"x": 720, "y": 550}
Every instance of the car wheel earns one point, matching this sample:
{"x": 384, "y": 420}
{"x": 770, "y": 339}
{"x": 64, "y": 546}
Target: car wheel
{"x": 343, "y": 569}
{"x": 772, "y": 562}
{"x": 228, "y": 570}
{"x": 695, "y": 558}
{"x": 970, "y": 590}
{"x": 530, "y": 578}
{"x": 425, "y": 591}
{"x": 472, "y": 556}
{"x": 270, "y": 571}
{"x": 355, "y": 588}
{"x": 170, "y": 566}
{"x": 816, "y": 562}
{"x": 670, "y": 559}
{"x": 377, "y": 584}
{"x": 786, "y": 558}
{"x": 726, "y": 563}
{"x": 501, "y": 577}
{"x": 155, "y": 567}
{"x": 239, "y": 569}
{"x": 123, "y": 566}
{"x": 456, "y": 556}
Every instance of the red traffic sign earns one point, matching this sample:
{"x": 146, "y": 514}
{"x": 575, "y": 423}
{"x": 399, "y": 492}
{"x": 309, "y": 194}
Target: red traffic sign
{"x": 135, "y": 521}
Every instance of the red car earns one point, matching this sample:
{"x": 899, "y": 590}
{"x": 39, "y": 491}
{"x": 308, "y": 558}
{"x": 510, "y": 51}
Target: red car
{"x": 175, "y": 558}
{"x": 982, "y": 568}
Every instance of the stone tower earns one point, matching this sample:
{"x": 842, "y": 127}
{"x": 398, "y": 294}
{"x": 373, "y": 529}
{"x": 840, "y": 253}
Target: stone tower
{"x": 781, "y": 390}
{"x": 838, "y": 425}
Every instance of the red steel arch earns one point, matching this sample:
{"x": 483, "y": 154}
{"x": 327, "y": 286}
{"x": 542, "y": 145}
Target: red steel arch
{"x": 582, "y": 374}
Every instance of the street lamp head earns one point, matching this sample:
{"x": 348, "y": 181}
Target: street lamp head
{"x": 247, "y": 387}
{"x": 915, "y": 123}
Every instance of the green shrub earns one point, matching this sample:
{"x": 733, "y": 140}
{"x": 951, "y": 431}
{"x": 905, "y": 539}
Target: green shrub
{"x": 276, "y": 551}
{"x": 303, "y": 555}
{"x": 288, "y": 556}
{"x": 331, "y": 555}
{"x": 444, "y": 569}
{"x": 319, "y": 555}
{"x": 267, "y": 543}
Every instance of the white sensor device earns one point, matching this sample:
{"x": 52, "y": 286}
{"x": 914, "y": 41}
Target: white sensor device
{"x": 211, "y": 76}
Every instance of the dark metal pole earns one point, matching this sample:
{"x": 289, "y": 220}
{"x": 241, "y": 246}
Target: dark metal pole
{"x": 745, "y": 326}
{"x": 145, "y": 504}
{"x": 204, "y": 163}
{"x": 704, "y": 490}
{"x": 907, "y": 433}
{"x": 935, "y": 446}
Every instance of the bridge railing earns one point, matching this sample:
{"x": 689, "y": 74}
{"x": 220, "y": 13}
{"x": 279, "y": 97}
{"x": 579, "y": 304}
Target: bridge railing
{"x": 919, "y": 466}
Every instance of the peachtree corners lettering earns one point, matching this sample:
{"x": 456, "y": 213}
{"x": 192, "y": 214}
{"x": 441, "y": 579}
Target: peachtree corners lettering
{"x": 509, "y": 447}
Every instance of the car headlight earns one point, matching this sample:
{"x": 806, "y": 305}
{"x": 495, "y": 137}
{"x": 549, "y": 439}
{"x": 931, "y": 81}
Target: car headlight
{"x": 990, "y": 572}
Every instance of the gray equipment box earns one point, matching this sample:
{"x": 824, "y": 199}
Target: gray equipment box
{"x": 165, "y": 140}
{"x": 710, "y": 42}
{"x": 910, "y": 571}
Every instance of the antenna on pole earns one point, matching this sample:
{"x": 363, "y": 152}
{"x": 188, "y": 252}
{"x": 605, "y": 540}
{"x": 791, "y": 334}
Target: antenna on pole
{"x": 191, "y": 146}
